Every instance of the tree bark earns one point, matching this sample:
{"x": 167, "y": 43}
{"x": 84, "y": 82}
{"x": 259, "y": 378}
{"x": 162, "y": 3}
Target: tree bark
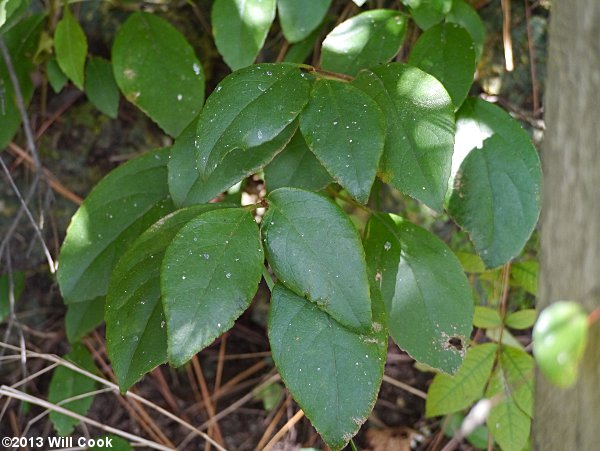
{"x": 570, "y": 226}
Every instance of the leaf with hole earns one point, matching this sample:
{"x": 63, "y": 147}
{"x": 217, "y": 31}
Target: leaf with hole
{"x": 66, "y": 384}
{"x": 447, "y": 52}
{"x": 240, "y": 28}
{"x": 427, "y": 296}
{"x": 300, "y": 17}
{"x": 331, "y": 272}
{"x": 420, "y": 130}
{"x": 345, "y": 129}
{"x": 497, "y": 185}
{"x": 363, "y": 41}
{"x": 248, "y": 109}
{"x": 157, "y": 70}
{"x": 136, "y": 337}
{"x": 296, "y": 167}
{"x": 100, "y": 86}
{"x": 333, "y": 373}
{"x": 124, "y": 204}
{"x": 210, "y": 273}
{"x": 70, "y": 45}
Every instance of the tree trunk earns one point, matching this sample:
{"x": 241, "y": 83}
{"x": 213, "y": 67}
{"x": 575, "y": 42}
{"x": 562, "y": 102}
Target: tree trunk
{"x": 570, "y": 227}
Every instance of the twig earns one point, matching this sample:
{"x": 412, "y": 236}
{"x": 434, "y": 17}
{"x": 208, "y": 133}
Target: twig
{"x": 269, "y": 430}
{"x": 286, "y": 427}
{"x": 506, "y": 39}
{"x": 405, "y": 387}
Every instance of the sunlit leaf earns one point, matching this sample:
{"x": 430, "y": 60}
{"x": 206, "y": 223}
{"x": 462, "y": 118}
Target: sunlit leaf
{"x": 300, "y": 17}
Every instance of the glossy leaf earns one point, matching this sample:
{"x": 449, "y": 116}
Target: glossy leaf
{"x": 300, "y": 17}
{"x": 363, "y": 41}
{"x": 70, "y": 45}
{"x": 296, "y": 167}
{"x": 334, "y": 374}
{"x": 100, "y": 86}
{"x": 136, "y": 336}
{"x": 559, "y": 341}
{"x": 420, "y": 130}
{"x": 6, "y": 286}
{"x": 21, "y": 42}
{"x": 56, "y": 77}
{"x": 83, "y": 317}
{"x": 330, "y": 272}
{"x": 240, "y": 28}
{"x": 465, "y": 15}
{"x": 427, "y": 296}
{"x": 209, "y": 275}
{"x": 522, "y": 319}
{"x": 300, "y": 51}
{"x": 157, "y": 70}
{"x": 525, "y": 275}
{"x": 497, "y": 190}
{"x": 124, "y": 204}
{"x": 345, "y": 129}
{"x": 449, "y": 394}
{"x": 427, "y": 13}
{"x": 447, "y": 52}
{"x": 65, "y": 384}
{"x": 486, "y": 318}
{"x": 248, "y": 109}
{"x": 189, "y": 187}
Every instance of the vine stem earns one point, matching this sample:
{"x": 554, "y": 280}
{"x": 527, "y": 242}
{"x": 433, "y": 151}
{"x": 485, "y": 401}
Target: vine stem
{"x": 349, "y": 200}
{"x": 326, "y": 73}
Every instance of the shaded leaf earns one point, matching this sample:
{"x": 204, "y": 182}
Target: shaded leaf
{"x": 427, "y": 297}
{"x": 363, "y": 41}
{"x": 65, "y": 384}
{"x": 525, "y": 275}
{"x": 296, "y": 167}
{"x": 70, "y": 45}
{"x": 240, "y": 28}
{"x": 300, "y": 17}
{"x": 420, "y": 130}
{"x": 100, "y": 86}
{"x": 465, "y": 15}
{"x": 56, "y": 77}
{"x": 345, "y": 129}
{"x": 496, "y": 195}
{"x": 329, "y": 272}
{"x": 209, "y": 275}
{"x": 300, "y": 51}
{"x": 83, "y": 317}
{"x": 449, "y": 394}
{"x": 124, "y": 204}
{"x": 447, "y": 52}
{"x": 334, "y": 374}
{"x": 157, "y": 70}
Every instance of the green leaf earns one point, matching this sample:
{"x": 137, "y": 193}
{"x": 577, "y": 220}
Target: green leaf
{"x": 10, "y": 11}
{"x": 18, "y": 283}
{"x": 471, "y": 263}
{"x": 240, "y": 28}
{"x": 449, "y": 394}
{"x": 83, "y": 317}
{"x": 363, "y": 41}
{"x": 117, "y": 444}
{"x": 334, "y": 374}
{"x": 497, "y": 190}
{"x": 420, "y": 130}
{"x": 249, "y": 108}
{"x": 296, "y": 167}
{"x": 136, "y": 338}
{"x": 21, "y": 42}
{"x": 523, "y": 319}
{"x": 56, "y": 77}
{"x": 71, "y": 48}
{"x": 559, "y": 341}
{"x": 525, "y": 275}
{"x": 447, "y": 52}
{"x": 66, "y": 383}
{"x": 157, "y": 70}
{"x": 300, "y": 17}
{"x": 427, "y": 296}
{"x": 465, "y": 15}
{"x": 299, "y": 51}
{"x": 509, "y": 420}
{"x": 427, "y": 13}
{"x": 189, "y": 187}
{"x": 124, "y": 204}
{"x": 345, "y": 129}
{"x": 210, "y": 273}
{"x": 270, "y": 395}
{"x": 100, "y": 86}
{"x": 486, "y": 318}
{"x": 330, "y": 272}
